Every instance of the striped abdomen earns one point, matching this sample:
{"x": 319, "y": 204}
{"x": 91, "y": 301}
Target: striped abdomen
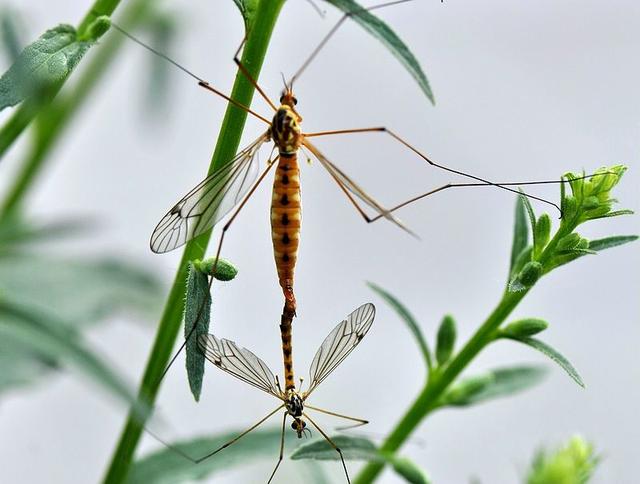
{"x": 285, "y": 334}
{"x": 286, "y": 216}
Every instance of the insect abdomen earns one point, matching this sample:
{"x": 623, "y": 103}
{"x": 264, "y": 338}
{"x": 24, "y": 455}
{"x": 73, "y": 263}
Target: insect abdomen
{"x": 286, "y": 217}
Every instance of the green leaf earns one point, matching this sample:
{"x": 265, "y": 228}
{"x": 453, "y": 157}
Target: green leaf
{"x": 43, "y": 64}
{"x": 76, "y": 291}
{"x": 197, "y": 314}
{"x": 615, "y": 213}
{"x": 574, "y": 463}
{"x": 247, "y": 10}
{"x": 532, "y": 217}
{"x": 391, "y": 41}
{"x": 525, "y": 327}
{"x": 408, "y": 318}
{"x": 360, "y": 448}
{"x": 52, "y": 340}
{"x": 20, "y": 366}
{"x": 446, "y": 340}
{"x": 553, "y": 354}
{"x": 520, "y": 236}
{"x": 166, "y": 466}
{"x": 11, "y": 28}
{"x": 500, "y": 382}
{"x": 609, "y": 242}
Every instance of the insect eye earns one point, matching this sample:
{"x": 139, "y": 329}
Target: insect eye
{"x": 281, "y": 99}
{"x": 295, "y": 101}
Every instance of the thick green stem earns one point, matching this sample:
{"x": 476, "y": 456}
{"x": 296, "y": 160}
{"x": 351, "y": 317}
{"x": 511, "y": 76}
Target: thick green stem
{"x": 227, "y": 145}
{"x": 29, "y": 109}
{"x": 429, "y": 398}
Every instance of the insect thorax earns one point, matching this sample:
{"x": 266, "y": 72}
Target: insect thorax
{"x": 285, "y": 130}
{"x": 294, "y": 404}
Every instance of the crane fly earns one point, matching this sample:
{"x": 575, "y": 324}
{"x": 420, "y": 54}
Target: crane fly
{"x": 246, "y": 366}
{"x": 233, "y": 184}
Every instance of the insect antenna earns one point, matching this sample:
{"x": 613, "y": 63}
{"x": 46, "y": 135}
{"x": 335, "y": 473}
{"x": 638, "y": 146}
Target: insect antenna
{"x": 315, "y": 6}
{"x": 333, "y": 30}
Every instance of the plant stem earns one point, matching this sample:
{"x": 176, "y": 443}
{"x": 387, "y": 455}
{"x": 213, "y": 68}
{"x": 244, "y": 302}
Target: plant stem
{"x": 228, "y": 140}
{"x": 429, "y": 398}
{"x": 30, "y": 108}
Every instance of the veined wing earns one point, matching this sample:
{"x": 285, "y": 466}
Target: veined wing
{"x": 209, "y": 201}
{"x": 240, "y": 362}
{"x": 339, "y": 343}
{"x": 347, "y": 183}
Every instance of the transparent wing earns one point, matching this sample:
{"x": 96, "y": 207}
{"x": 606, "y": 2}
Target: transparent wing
{"x": 347, "y": 183}
{"x": 339, "y": 343}
{"x": 240, "y": 362}
{"x": 209, "y": 201}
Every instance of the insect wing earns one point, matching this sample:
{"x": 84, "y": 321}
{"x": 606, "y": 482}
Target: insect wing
{"x": 345, "y": 181}
{"x": 339, "y": 343}
{"x": 238, "y": 361}
{"x": 209, "y": 201}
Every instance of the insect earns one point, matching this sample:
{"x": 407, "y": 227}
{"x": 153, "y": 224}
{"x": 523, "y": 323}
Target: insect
{"x": 231, "y": 186}
{"x": 244, "y": 365}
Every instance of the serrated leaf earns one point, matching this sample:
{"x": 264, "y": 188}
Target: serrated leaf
{"x": 43, "y": 64}
{"x": 52, "y": 340}
{"x": 76, "y": 291}
{"x": 247, "y": 10}
{"x": 197, "y": 314}
{"x": 520, "y": 235}
{"x": 408, "y": 318}
{"x": 166, "y": 466}
{"x": 554, "y": 355}
{"x": 388, "y": 37}
{"x": 500, "y": 382}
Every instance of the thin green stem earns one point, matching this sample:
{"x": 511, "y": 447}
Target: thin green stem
{"x": 429, "y": 398}
{"x": 227, "y": 145}
{"x": 30, "y": 108}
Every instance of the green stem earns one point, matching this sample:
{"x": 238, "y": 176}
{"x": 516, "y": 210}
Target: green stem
{"x": 30, "y": 108}
{"x": 227, "y": 145}
{"x": 429, "y": 398}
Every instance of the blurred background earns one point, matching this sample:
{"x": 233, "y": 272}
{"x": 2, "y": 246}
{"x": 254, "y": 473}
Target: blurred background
{"x": 524, "y": 91}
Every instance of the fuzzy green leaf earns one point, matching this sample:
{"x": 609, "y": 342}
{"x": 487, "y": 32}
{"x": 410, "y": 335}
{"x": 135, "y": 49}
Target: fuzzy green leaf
{"x": 532, "y": 217}
{"x": 408, "y": 318}
{"x": 76, "y": 291}
{"x": 52, "y": 340}
{"x": 520, "y": 235}
{"x": 500, "y": 382}
{"x": 197, "y": 314}
{"x": 360, "y": 448}
{"x": 609, "y": 242}
{"x": 45, "y": 63}
{"x": 554, "y": 355}
{"x": 615, "y": 213}
{"x": 525, "y": 327}
{"x": 388, "y": 37}
{"x": 166, "y": 466}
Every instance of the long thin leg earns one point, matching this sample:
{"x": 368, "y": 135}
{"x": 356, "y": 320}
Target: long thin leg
{"x": 383, "y": 129}
{"x": 201, "y": 81}
{"x": 215, "y": 262}
{"x": 360, "y": 421}
{"x": 284, "y": 420}
{"x": 460, "y": 185}
{"x": 332, "y": 443}
{"x": 333, "y": 30}
{"x": 249, "y": 77}
{"x": 179, "y": 451}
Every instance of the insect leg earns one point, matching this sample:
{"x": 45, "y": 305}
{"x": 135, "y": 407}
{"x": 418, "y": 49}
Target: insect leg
{"x": 249, "y": 77}
{"x": 182, "y": 453}
{"x": 332, "y": 443}
{"x": 360, "y": 421}
{"x": 284, "y": 420}
{"x": 217, "y": 257}
{"x": 482, "y": 181}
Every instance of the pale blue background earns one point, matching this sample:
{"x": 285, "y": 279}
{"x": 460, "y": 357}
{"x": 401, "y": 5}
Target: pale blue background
{"x": 525, "y": 90}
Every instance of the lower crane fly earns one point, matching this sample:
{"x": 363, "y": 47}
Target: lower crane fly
{"x": 246, "y": 366}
